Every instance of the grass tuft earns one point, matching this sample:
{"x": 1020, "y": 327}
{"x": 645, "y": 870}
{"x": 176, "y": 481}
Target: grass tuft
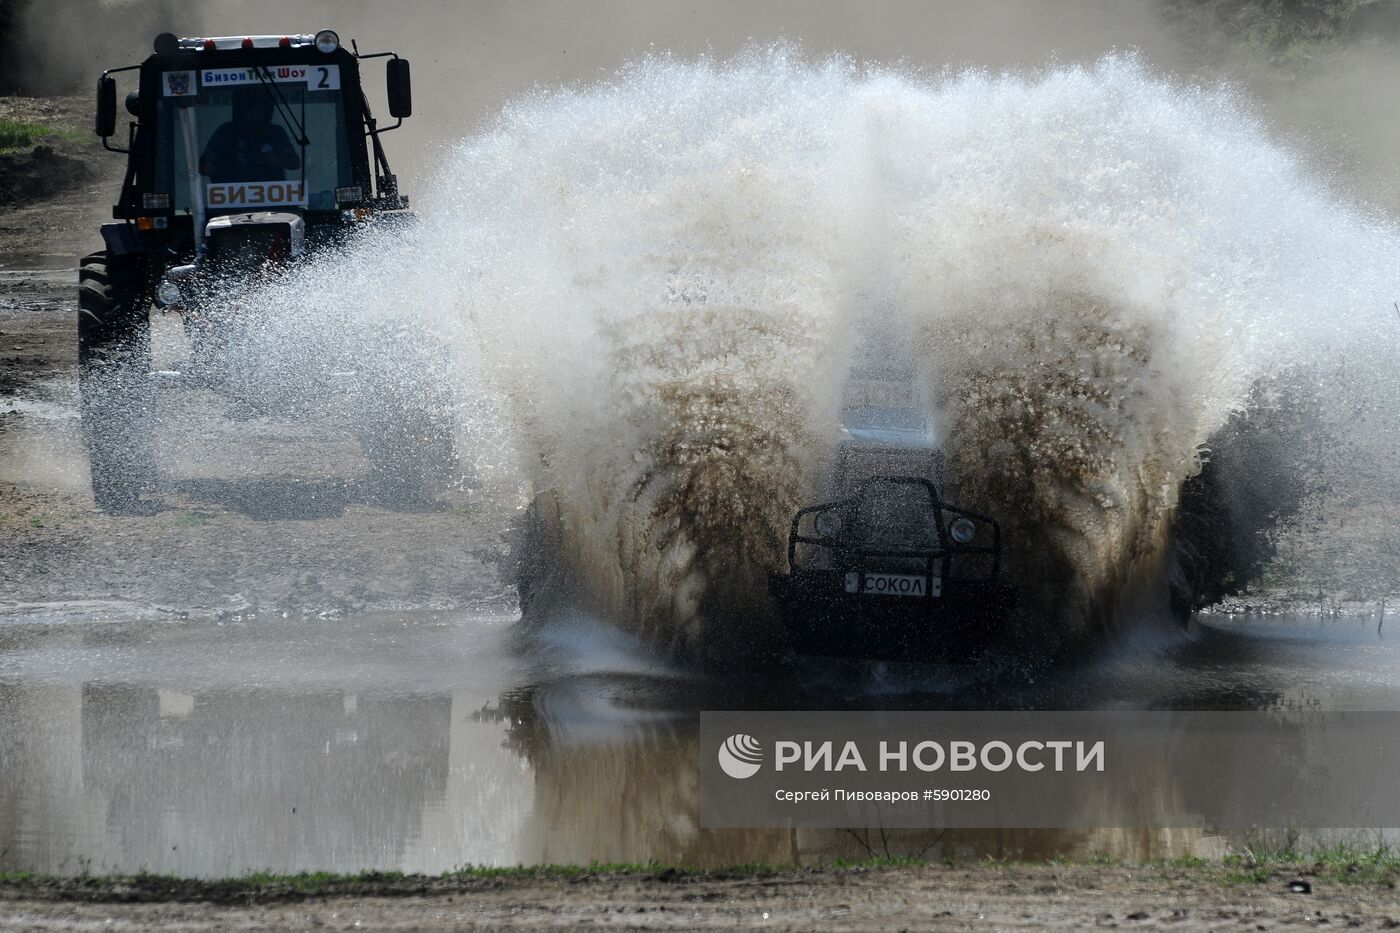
{"x": 16, "y": 134}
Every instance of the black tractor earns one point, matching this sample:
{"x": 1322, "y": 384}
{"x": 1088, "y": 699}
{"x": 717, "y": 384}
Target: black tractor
{"x": 246, "y": 155}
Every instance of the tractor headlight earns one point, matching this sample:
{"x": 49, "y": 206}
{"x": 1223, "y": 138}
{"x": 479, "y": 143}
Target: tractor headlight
{"x": 168, "y": 293}
{"x": 962, "y": 530}
{"x": 327, "y": 41}
{"x": 829, "y": 524}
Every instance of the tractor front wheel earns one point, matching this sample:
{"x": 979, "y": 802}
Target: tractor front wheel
{"x": 117, "y": 396}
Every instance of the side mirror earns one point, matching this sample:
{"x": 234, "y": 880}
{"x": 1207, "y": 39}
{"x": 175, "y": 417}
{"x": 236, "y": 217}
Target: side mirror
{"x": 400, "y": 89}
{"x": 106, "y": 123}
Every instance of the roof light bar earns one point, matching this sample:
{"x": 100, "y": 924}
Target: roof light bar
{"x": 222, "y": 43}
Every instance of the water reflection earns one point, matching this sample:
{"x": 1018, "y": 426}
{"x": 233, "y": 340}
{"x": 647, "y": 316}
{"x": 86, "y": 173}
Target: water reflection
{"x": 349, "y": 746}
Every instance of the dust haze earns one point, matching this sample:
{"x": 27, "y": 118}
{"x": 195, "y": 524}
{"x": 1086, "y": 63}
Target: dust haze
{"x": 469, "y": 58}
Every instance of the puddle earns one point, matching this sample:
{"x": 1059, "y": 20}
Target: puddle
{"x": 424, "y": 741}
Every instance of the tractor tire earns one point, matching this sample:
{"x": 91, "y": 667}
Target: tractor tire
{"x": 117, "y": 395}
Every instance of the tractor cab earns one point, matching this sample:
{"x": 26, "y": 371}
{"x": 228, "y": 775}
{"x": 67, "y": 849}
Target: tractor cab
{"x": 243, "y": 125}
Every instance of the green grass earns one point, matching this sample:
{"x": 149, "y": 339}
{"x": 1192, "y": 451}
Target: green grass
{"x": 1349, "y": 862}
{"x": 310, "y": 882}
{"x": 321, "y": 882}
{"x": 269, "y": 884}
{"x": 16, "y": 134}
{"x": 1260, "y": 863}
{"x": 1267, "y": 860}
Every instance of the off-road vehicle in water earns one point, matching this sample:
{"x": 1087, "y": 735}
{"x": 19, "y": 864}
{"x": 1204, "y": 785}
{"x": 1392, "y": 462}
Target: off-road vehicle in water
{"x": 888, "y": 570}
{"x": 246, "y": 155}
{"x": 884, "y": 570}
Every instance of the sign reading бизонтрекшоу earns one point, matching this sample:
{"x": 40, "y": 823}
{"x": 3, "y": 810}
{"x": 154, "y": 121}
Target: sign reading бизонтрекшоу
{"x": 1219, "y": 770}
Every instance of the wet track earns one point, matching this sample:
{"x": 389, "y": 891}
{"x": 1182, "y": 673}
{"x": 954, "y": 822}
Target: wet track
{"x": 426, "y": 741}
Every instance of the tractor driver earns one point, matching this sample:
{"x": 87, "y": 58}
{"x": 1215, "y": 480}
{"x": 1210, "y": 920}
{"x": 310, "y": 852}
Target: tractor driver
{"x": 250, "y": 147}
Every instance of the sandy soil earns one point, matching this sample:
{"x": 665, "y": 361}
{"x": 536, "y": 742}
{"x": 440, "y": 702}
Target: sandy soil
{"x": 927, "y": 898}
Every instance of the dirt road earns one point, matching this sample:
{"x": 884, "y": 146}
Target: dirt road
{"x": 934, "y": 897}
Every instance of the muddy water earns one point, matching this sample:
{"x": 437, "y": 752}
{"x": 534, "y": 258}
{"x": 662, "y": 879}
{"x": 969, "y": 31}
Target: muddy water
{"x": 421, "y": 742}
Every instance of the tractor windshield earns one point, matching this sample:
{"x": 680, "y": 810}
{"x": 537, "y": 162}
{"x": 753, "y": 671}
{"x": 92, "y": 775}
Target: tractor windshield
{"x": 241, "y": 139}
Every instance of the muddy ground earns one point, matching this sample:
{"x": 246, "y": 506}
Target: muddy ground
{"x": 931, "y": 897}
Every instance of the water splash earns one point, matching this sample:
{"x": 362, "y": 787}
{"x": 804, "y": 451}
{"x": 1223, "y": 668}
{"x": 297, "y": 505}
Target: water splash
{"x": 661, "y": 278}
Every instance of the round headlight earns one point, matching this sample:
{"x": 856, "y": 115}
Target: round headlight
{"x": 962, "y": 530}
{"x": 327, "y": 41}
{"x": 168, "y": 293}
{"x": 829, "y": 524}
